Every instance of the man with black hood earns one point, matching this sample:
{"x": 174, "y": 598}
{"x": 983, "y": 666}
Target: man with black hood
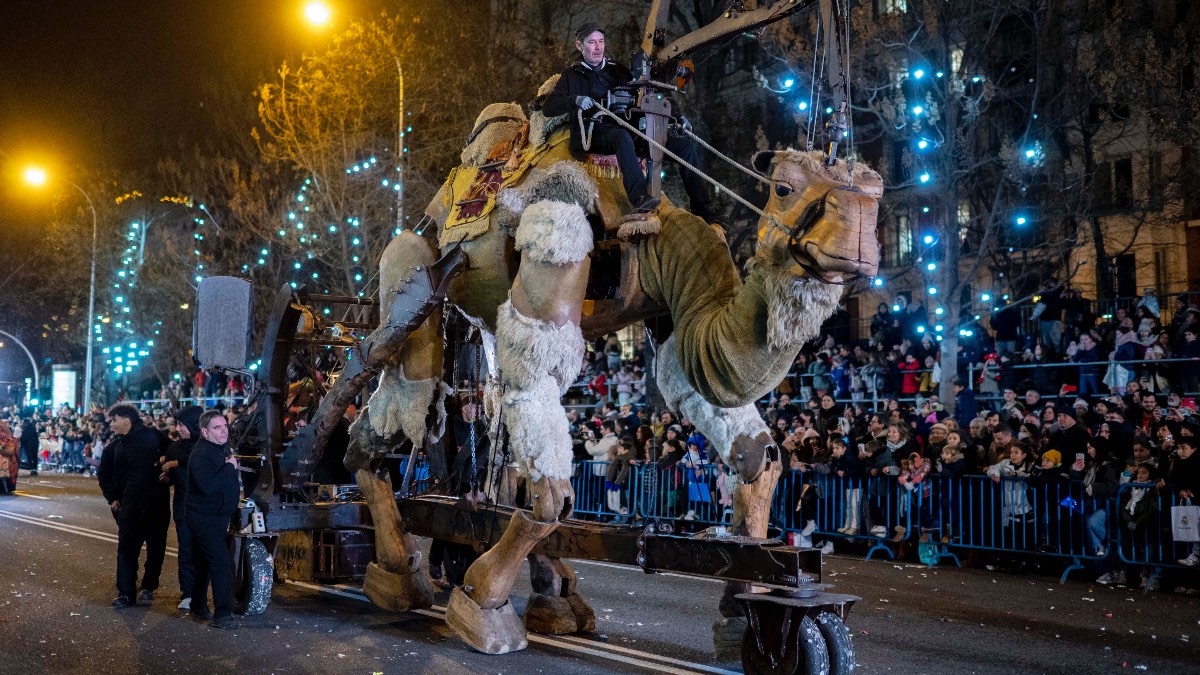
{"x": 213, "y": 493}
{"x": 174, "y": 471}
{"x": 129, "y": 477}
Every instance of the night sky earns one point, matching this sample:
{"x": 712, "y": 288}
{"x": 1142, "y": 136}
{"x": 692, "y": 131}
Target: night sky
{"x": 118, "y": 82}
{"x": 107, "y": 87}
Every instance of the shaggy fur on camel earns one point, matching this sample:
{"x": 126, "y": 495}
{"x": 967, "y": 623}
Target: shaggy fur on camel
{"x": 719, "y": 425}
{"x": 537, "y": 360}
{"x": 554, "y": 232}
{"x": 401, "y": 405}
{"x": 796, "y": 307}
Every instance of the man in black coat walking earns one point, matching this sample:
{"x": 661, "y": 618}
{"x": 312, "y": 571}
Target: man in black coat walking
{"x": 587, "y": 82}
{"x": 129, "y": 477}
{"x": 213, "y": 493}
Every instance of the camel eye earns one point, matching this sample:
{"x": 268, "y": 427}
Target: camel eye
{"x": 783, "y": 189}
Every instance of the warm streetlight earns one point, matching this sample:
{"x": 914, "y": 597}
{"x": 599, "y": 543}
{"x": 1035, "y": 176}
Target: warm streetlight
{"x": 35, "y": 176}
{"x": 317, "y": 13}
{"x": 38, "y": 177}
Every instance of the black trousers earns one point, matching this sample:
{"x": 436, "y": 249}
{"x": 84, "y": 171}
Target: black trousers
{"x": 210, "y": 555}
{"x": 29, "y": 458}
{"x": 141, "y": 525}
{"x": 187, "y": 567}
{"x": 610, "y": 139}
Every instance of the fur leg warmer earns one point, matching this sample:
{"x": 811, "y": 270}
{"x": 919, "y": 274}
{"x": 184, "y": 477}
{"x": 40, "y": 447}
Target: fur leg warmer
{"x": 719, "y": 425}
{"x": 528, "y": 350}
{"x": 401, "y": 405}
{"x": 537, "y": 361}
{"x": 796, "y": 307}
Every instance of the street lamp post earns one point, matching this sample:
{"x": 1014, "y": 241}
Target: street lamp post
{"x": 37, "y": 177}
{"x": 37, "y": 384}
{"x": 319, "y": 14}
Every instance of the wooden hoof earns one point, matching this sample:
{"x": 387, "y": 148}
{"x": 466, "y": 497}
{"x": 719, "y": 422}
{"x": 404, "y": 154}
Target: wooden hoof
{"x": 397, "y": 592}
{"x": 727, "y": 638}
{"x": 554, "y": 615}
{"x": 491, "y": 631}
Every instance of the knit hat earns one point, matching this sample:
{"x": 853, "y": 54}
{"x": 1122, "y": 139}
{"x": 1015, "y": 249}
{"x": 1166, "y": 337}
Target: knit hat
{"x": 587, "y": 28}
{"x": 945, "y": 429}
{"x": 1054, "y": 456}
{"x": 697, "y": 440}
{"x": 676, "y": 428}
{"x": 1067, "y": 412}
{"x": 1080, "y": 403}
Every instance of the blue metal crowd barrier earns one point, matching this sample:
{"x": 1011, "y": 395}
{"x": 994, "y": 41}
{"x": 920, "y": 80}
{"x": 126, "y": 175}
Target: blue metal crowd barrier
{"x": 1004, "y": 516}
{"x": 1149, "y": 542}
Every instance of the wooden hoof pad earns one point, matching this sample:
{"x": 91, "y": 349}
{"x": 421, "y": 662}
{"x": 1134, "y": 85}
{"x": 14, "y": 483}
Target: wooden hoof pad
{"x": 491, "y": 631}
{"x": 555, "y": 615}
{"x": 397, "y": 592}
{"x": 727, "y": 638}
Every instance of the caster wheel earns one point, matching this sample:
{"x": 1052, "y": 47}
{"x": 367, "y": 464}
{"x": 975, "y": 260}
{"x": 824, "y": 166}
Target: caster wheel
{"x": 801, "y": 651}
{"x": 838, "y": 643}
{"x": 252, "y": 594}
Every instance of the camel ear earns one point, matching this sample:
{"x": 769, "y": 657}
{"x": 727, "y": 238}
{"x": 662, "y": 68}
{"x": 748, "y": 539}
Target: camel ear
{"x": 762, "y": 161}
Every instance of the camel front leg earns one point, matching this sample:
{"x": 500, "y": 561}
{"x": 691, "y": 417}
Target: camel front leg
{"x": 397, "y": 410}
{"x": 540, "y": 351}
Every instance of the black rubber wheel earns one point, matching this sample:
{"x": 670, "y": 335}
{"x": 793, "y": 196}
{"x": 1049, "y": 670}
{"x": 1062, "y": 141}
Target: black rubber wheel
{"x": 252, "y": 593}
{"x": 807, "y": 657}
{"x": 838, "y": 643}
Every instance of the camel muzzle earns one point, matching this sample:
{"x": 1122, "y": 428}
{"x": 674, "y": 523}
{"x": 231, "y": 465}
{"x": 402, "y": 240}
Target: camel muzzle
{"x": 836, "y": 235}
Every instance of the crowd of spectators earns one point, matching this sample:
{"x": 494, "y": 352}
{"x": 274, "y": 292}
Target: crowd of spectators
{"x": 1111, "y": 413}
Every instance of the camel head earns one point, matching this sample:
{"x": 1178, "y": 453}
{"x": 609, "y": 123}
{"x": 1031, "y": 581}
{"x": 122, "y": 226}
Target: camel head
{"x": 820, "y": 220}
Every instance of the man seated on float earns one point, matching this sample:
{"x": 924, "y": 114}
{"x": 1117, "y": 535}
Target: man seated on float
{"x": 589, "y": 81}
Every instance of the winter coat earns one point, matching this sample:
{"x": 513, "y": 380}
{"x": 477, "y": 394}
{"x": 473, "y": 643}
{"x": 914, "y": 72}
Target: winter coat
{"x": 213, "y": 483}
{"x": 911, "y": 384}
{"x": 965, "y": 408}
{"x": 819, "y": 370}
{"x": 129, "y": 468}
{"x": 850, "y": 467}
{"x": 1014, "y": 493}
{"x": 583, "y": 80}
{"x": 603, "y": 450}
{"x": 619, "y": 467}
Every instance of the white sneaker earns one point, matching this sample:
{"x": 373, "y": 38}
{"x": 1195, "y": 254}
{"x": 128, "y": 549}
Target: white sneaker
{"x": 809, "y": 529}
{"x": 827, "y": 549}
{"x": 691, "y": 515}
{"x": 1105, "y": 579}
{"x": 1100, "y": 552}
{"x": 185, "y": 605}
{"x": 879, "y": 531}
{"x": 1191, "y": 561}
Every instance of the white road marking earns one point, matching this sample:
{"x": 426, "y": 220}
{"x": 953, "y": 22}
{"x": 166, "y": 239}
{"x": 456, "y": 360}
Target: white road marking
{"x": 568, "y": 643}
{"x": 631, "y": 568}
{"x": 72, "y": 529}
{"x": 22, "y": 493}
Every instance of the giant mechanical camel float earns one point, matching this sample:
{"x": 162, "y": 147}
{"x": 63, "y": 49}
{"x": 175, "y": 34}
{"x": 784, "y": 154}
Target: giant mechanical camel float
{"x": 734, "y": 339}
{"x": 528, "y": 219}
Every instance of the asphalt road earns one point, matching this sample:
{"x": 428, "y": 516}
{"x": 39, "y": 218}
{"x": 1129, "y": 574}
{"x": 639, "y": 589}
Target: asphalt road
{"x": 58, "y": 552}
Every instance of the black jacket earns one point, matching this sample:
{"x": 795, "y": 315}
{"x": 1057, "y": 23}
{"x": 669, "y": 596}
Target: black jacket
{"x": 180, "y": 451}
{"x": 582, "y": 80}
{"x": 213, "y": 485}
{"x": 129, "y": 468}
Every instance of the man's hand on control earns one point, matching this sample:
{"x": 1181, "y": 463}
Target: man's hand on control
{"x": 685, "y": 123}
{"x": 584, "y": 102}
